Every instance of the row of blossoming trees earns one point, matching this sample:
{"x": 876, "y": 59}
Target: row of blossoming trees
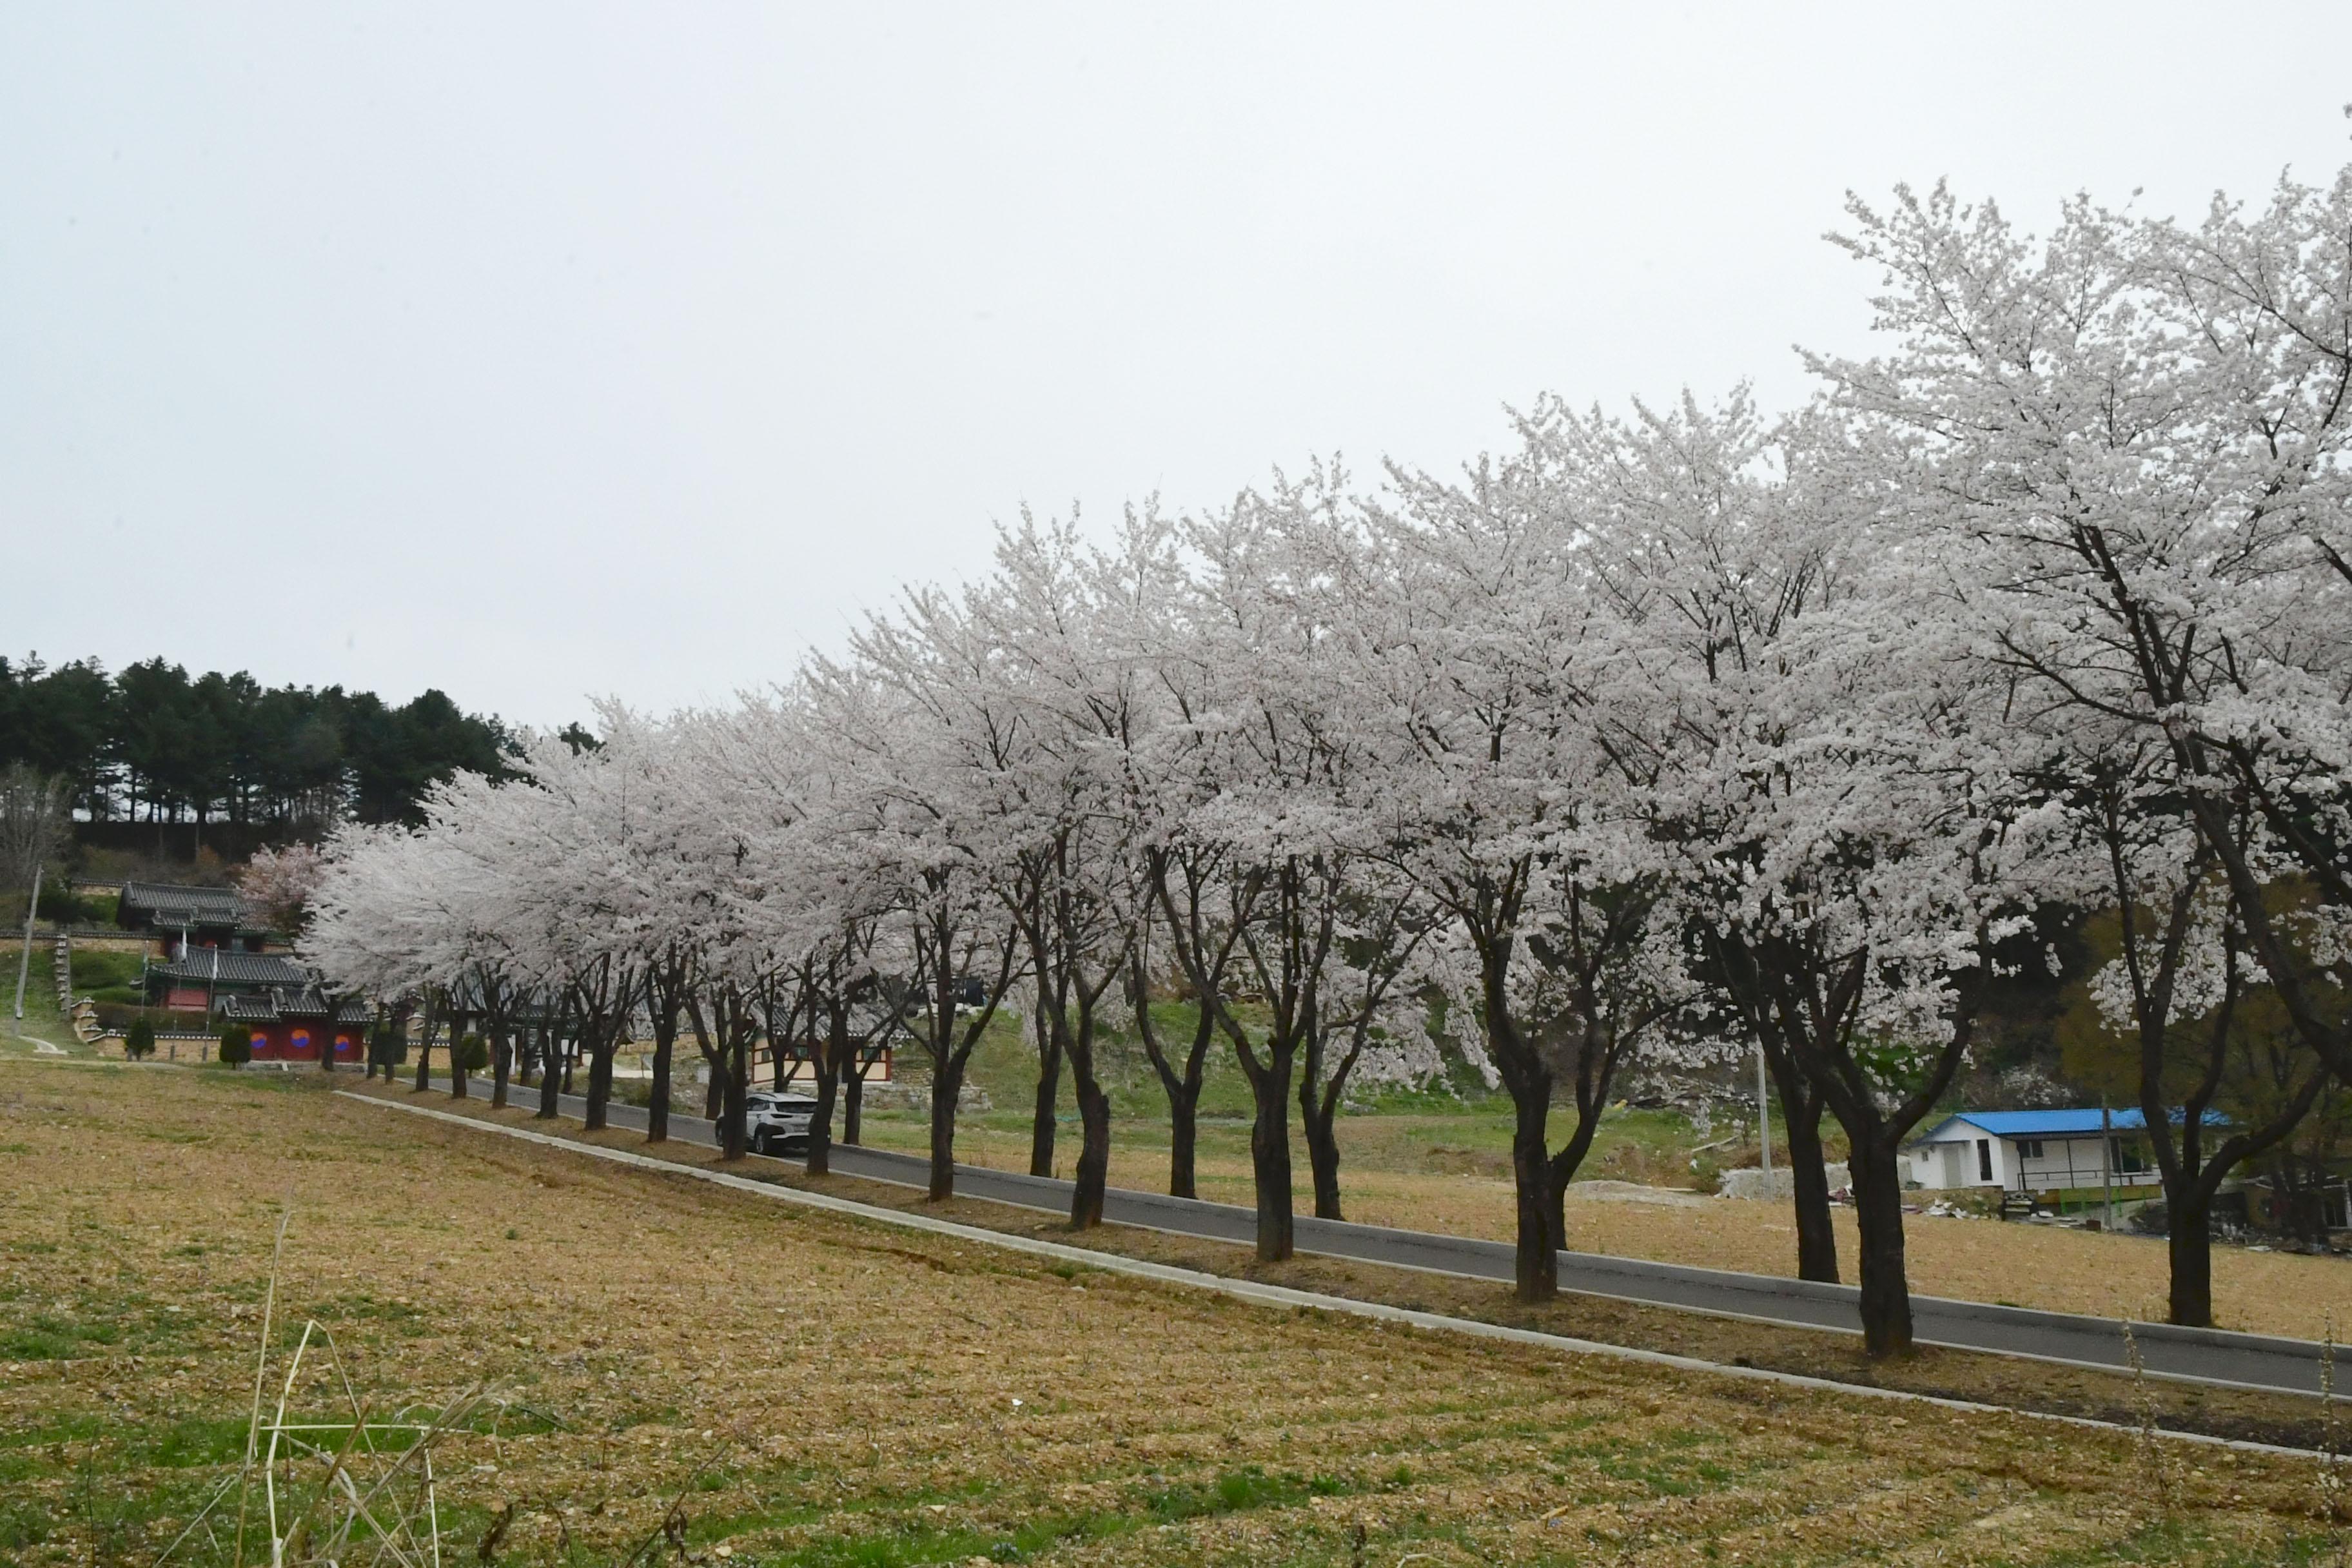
{"x": 1674, "y": 735}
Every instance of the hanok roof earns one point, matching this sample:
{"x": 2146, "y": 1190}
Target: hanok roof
{"x": 280, "y": 1003}
{"x": 207, "y": 966}
{"x": 170, "y": 904}
{"x": 2078, "y": 1122}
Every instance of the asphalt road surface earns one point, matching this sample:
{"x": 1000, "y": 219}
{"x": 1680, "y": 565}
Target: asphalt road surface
{"x": 2207, "y": 1355}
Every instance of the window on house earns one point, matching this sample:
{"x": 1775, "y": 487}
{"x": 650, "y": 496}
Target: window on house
{"x": 2029, "y": 1148}
{"x": 1984, "y": 1159}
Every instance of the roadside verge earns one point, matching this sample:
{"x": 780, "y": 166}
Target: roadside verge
{"x": 2266, "y": 1423}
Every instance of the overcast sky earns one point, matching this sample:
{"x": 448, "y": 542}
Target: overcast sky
{"x": 531, "y": 351}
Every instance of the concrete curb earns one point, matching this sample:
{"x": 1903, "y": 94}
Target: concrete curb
{"x": 1284, "y": 1297}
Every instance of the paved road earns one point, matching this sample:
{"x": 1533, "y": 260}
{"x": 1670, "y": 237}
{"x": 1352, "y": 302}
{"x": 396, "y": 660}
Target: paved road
{"x": 2251, "y": 1360}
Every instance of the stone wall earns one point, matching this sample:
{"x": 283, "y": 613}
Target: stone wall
{"x": 1780, "y": 1186}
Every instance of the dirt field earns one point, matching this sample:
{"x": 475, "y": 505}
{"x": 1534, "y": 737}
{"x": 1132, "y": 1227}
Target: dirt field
{"x": 2290, "y": 1420}
{"x": 823, "y": 1392}
{"x": 1416, "y": 1172}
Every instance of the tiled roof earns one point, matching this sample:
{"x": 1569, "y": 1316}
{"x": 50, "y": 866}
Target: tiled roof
{"x": 210, "y": 966}
{"x": 279, "y": 1003}
{"x": 169, "y": 903}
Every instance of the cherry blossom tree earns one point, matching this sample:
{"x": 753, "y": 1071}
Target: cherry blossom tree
{"x": 1487, "y": 646}
{"x": 1070, "y": 811}
{"x": 278, "y": 884}
{"x": 922, "y": 734}
{"x": 2129, "y": 442}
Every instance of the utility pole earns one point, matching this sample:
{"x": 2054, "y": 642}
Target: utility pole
{"x": 1764, "y": 1112}
{"x": 25, "y": 959}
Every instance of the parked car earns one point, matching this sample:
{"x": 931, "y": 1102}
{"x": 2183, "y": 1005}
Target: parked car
{"x": 778, "y": 1123}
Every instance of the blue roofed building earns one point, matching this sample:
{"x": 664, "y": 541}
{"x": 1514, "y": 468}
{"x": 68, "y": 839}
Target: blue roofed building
{"x": 2035, "y": 1150}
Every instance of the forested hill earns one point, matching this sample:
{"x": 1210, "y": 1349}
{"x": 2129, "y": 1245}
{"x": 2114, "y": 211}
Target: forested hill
{"x": 152, "y": 743}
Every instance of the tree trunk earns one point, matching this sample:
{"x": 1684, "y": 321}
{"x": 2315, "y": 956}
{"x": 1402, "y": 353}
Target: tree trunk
{"x": 501, "y": 1067}
{"x": 424, "y": 1058}
{"x": 852, "y": 1107}
{"x": 1270, "y": 1155}
{"x": 657, "y": 1102}
{"x": 1182, "y": 1089}
{"x": 1049, "y": 1092}
{"x": 1535, "y": 1265}
{"x": 820, "y": 1146}
{"x": 1878, "y": 1214}
{"x": 551, "y": 1081}
{"x": 1816, "y": 1236}
{"x": 2191, "y": 1245}
{"x": 1317, "y": 1112}
{"x": 733, "y": 1143}
{"x": 570, "y": 1051}
{"x": 599, "y": 1083}
{"x": 457, "y": 1066}
{"x": 1092, "y": 1173}
{"x": 1184, "y": 1141}
{"x": 947, "y": 1088}
{"x": 1322, "y": 1148}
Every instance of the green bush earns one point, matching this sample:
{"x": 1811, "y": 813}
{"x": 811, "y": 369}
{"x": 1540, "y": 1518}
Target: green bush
{"x": 236, "y": 1045}
{"x": 473, "y": 1055}
{"x": 139, "y": 1044}
{"x": 61, "y": 905}
{"x": 94, "y": 970}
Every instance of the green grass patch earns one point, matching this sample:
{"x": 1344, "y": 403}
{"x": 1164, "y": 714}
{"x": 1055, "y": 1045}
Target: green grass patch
{"x": 1236, "y": 1491}
{"x": 914, "y": 1544}
{"x": 96, "y": 970}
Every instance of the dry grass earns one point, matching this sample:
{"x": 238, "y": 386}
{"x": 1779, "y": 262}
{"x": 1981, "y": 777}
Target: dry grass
{"x": 1466, "y": 1193}
{"x": 823, "y": 1391}
{"x": 2293, "y": 1420}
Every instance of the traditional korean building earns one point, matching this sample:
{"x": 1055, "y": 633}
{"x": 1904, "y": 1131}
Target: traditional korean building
{"x": 181, "y": 919}
{"x": 269, "y": 995}
{"x": 201, "y": 979}
{"x": 291, "y": 1025}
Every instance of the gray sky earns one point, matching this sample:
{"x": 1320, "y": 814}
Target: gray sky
{"x": 529, "y": 351}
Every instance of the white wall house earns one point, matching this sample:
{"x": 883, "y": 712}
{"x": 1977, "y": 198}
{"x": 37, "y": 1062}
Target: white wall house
{"x": 2034, "y": 1150}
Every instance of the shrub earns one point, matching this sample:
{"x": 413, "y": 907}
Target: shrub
{"x": 61, "y": 905}
{"x": 139, "y": 1044}
{"x": 97, "y": 969}
{"x": 473, "y": 1055}
{"x": 236, "y": 1045}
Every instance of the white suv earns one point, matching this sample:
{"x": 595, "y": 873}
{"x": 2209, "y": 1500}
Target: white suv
{"x": 778, "y": 1123}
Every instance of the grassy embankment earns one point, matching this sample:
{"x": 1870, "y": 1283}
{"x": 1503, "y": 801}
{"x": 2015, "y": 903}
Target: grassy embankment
{"x": 41, "y": 1021}
{"x": 819, "y": 1391}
